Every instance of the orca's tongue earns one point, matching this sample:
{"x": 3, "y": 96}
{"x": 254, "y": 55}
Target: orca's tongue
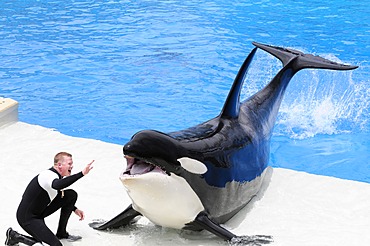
{"x": 141, "y": 168}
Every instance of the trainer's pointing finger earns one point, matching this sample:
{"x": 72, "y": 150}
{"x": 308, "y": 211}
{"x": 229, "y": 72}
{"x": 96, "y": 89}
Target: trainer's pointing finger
{"x": 88, "y": 168}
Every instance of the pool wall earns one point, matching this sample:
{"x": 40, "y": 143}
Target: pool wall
{"x": 8, "y": 111}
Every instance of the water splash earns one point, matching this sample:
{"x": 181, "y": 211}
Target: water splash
{"x": 255, "y": 240}
{"x": 316, "y": 101}
{"x": 329, "y": 103}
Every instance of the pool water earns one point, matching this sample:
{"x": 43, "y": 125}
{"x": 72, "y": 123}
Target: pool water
{"x": 107, "y": 69}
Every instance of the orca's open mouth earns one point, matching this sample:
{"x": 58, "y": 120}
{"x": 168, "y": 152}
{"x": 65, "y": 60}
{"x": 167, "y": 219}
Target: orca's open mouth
{"x": 136, "y": 166}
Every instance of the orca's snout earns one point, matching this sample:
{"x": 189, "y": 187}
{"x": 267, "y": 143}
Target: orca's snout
{"x": 126, "y": 148}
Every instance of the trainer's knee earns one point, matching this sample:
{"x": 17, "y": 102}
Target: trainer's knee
{"x": 70, "y": 195}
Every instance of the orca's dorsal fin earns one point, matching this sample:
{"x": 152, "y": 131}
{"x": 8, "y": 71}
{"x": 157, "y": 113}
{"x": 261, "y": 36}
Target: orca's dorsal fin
{"x": 303, "y": 60}
{"x": 232, "y": 104}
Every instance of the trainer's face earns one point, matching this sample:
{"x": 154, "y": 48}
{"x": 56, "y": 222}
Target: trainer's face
{"x": 65, "y": 166}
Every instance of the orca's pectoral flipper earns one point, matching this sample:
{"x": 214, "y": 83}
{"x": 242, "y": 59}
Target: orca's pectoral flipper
{"x": 122, "y": 219}
{"x": 202, "y": 221}
{"x": 304, "y": 60}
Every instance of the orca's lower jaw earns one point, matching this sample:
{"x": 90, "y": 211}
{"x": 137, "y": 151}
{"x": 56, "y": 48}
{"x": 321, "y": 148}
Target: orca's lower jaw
{"x": 136, "y": 166}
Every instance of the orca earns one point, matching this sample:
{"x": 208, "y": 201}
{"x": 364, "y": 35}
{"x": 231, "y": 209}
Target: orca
{"x": 200, "y": 177}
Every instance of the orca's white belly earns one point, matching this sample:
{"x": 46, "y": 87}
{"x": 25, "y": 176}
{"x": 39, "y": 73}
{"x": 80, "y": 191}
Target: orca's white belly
{"x": 167, "y": 201}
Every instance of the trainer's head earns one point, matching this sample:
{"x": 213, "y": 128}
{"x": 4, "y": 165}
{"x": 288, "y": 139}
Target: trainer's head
{"x": 63, "y": 163}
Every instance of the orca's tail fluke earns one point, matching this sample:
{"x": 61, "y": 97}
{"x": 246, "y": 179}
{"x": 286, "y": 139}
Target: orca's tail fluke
{"x": 303, "y": 60}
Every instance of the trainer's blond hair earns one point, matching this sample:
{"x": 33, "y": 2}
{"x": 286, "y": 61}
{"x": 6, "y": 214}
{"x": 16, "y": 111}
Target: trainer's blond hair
{"x": 60, "y": 155}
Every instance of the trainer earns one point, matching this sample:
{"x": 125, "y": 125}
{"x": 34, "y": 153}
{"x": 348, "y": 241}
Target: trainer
{"x": 44, "y": 195}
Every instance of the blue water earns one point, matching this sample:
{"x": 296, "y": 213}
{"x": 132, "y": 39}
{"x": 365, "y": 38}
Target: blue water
{"x": 106, "y": 69}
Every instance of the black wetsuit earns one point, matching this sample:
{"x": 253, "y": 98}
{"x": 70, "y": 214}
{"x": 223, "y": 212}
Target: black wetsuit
{"x": 42, "y": 197}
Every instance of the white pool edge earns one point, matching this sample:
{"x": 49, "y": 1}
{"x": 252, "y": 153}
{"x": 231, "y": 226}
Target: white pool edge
{"x": 8, "y": 111}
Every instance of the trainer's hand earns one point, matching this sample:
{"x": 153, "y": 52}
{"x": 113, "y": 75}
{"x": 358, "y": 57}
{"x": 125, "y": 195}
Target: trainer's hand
{"x": 80, "y": 213}
{"x": 87, "y": 168}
